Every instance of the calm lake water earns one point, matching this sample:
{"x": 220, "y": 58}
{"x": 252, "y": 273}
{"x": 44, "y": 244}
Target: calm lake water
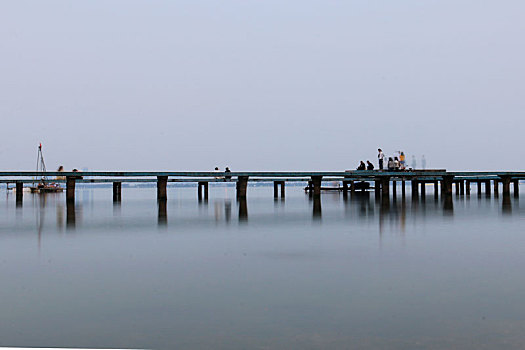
{"x": 351, "y": 273}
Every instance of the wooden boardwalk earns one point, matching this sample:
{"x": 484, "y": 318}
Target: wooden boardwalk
{"x": 384, "y": 182}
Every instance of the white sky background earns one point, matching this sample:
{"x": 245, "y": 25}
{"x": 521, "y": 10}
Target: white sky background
{"x": 261, "y": 85}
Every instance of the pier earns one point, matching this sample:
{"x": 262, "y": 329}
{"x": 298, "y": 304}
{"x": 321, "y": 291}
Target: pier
{"x": 384, "y": 183}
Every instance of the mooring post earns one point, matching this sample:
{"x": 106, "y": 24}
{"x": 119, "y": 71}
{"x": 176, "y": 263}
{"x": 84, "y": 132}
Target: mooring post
{"x": 70, "y": 188}
{"x": 467, "y": 184}
{"x": 162, "y": 183}
{"x": 117, "y": 190}
{"x": 516, "y": 187}
{"x": 505, "y": 180}
{"x": 316, "y": 183}
{"x": 242, "y": 185}
{"x": 19, "y": 192}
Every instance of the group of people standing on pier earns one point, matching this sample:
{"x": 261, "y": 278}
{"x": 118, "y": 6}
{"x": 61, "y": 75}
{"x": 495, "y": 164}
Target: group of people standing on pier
{"x": 396, "y": 163}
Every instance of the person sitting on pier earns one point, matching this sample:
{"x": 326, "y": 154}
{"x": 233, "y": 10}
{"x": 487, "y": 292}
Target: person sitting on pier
{"x": 369, "y": 166}
{"x": 218, "y": 171}
{"x": 61, "y": 169}
{"x": 227, "y": 170}
{"x": 361, "y": 166}
{"x": 390, "y": 164}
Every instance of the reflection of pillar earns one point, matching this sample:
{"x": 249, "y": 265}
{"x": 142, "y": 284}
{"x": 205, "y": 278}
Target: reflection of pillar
{"x": 317, "y": 208}
{"x": 162, "y": 183}
{"x": 163, "y": 212}
{"x": 70, "y": 214}
{"x": 19, "y": 193}
{"x": 448, "y": 204}
{"x": 243, "y": 209}
{"x": 506, "y": 206}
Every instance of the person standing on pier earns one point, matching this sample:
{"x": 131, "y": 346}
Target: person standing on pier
{"x": 380, "y": 157}
{"x": 402, "y": 160}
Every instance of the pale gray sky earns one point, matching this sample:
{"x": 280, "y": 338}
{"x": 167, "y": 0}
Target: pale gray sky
{"x": 261, "y": 85}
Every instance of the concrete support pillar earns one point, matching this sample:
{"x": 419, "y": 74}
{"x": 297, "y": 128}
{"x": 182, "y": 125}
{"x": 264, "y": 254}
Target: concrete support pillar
{"x": 276, "y": 185}
{"x": 447, "y": 184}
{"x": 19, "y": 193}
{"x": 316, "y": 183}
{"x": 117, "y": 191}
{"x": 70, "y": 188}
{"x": 352, "y": 187}
{"x": 462, "y": 187}
{"x": 403, "y": 188}
{"x": 516, "y": 183}
{"x": 479, "y": 187}
{"x": 436, "y": 188}
{"x": 242, "y": 186}
{"x": 496, "y": 187}
{"x": 467, "y": 184}
{"x": 505, "y": 180}
{"x": 457, "y": 187}
{"x": 377, "y": 186}
{"x": 423, "y": 190}
{"x": 415, "y": 189}
{"x": 202, "y": 189}
{"x": 394, "y": 189}
{"x": 345, "y": 188}
{"x": 487, "y": 187}
{"x": 162, "y": 184}
{"x": 385, "y": 185}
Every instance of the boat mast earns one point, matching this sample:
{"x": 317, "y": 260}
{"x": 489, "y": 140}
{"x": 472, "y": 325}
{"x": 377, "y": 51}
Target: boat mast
{"x": 40, "y": 164}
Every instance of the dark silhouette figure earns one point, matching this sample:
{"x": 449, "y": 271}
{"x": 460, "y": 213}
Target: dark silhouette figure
{"x": 227, "y": 170}
{"x": 369, "y": 166}
{"x": 361, "y": 166}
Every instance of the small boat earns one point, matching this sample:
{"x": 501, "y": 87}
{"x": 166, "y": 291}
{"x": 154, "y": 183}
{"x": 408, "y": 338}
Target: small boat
{"x": 44, "y": 185}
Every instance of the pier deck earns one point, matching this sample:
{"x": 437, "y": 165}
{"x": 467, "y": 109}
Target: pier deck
{"x": 382, "y": 180}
